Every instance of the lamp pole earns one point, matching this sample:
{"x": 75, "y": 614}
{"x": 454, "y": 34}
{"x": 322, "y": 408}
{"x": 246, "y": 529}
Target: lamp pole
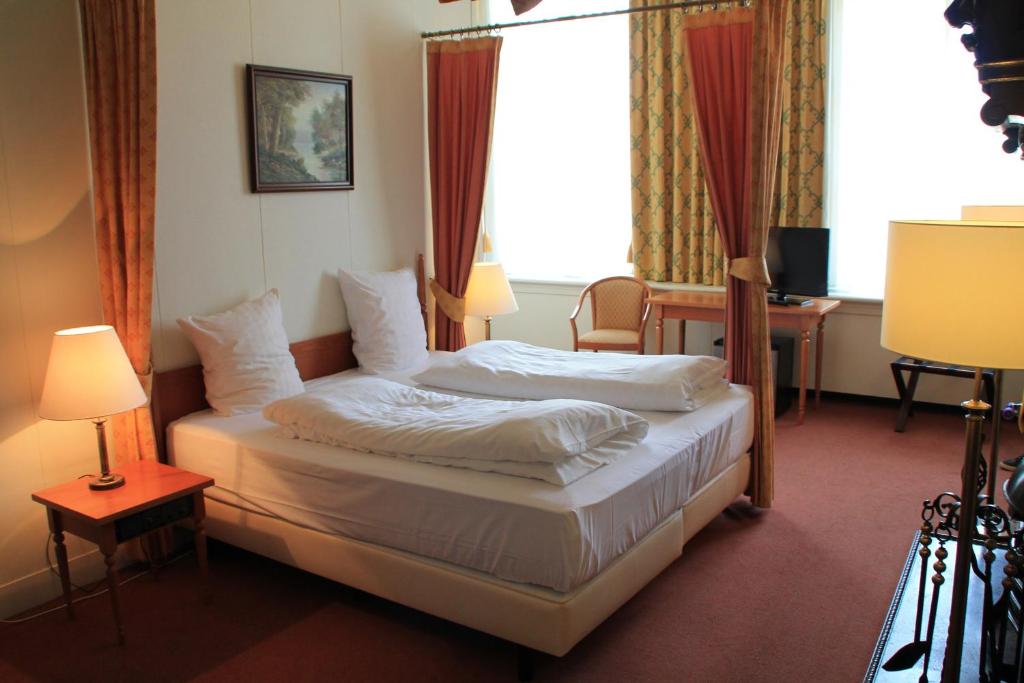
{"x": 967, "y": 515}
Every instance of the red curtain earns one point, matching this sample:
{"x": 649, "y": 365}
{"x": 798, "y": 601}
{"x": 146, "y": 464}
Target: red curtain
{"x": 735, "y": 61}
{"x": 721, "y": 59}
{"x": 119, "y": 41}
{"x": 462, "y": 81}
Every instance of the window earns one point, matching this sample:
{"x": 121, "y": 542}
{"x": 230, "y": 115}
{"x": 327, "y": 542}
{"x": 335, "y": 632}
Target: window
{"x": 558, "y": 205}
{"x": 906, "y": 140}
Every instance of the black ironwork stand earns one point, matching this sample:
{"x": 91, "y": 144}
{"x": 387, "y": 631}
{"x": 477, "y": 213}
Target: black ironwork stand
{"x": 974, "y": 523}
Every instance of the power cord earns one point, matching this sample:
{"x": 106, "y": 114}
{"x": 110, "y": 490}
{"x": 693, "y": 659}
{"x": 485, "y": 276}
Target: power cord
{"x": 89, "y": 592}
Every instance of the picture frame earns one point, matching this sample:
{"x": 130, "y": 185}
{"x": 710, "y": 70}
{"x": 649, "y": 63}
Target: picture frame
{"x": 300, "y": 130}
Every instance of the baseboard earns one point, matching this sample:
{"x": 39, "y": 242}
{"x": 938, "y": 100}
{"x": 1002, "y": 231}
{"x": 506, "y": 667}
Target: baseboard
{"x": 883, "y": 400}
{"x": 894, "y": 403}
{"x": 39, "y": 587}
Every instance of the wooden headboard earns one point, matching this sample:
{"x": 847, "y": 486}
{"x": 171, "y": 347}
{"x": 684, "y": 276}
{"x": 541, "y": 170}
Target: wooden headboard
{"x": 176, "y": 393}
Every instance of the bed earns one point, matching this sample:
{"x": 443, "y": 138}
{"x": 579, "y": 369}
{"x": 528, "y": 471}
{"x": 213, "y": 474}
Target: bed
{"x": 538, "y": 565}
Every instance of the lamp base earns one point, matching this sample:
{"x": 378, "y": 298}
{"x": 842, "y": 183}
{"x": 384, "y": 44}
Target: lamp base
{"x": 107, "y": 481}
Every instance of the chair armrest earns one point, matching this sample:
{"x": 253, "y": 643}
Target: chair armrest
{"x": 572, "y": 319}
{"x": 643, "y": 325}
{"x": 579, "y": 307}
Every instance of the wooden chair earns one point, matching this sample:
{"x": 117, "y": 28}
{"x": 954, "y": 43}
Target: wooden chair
{"x": 619, "y": 311}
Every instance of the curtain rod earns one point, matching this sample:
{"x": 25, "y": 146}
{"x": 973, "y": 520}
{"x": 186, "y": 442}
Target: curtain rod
{"x": 628, "y": 10}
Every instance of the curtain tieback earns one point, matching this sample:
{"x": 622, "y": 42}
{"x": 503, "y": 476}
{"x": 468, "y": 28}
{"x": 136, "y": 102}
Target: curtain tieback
{"x": 453, "y": 306}
{"x": 146, "y": 379}
{"x": 751, "y": 269}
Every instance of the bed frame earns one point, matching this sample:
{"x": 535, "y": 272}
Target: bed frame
{"x": 530, "y": 616}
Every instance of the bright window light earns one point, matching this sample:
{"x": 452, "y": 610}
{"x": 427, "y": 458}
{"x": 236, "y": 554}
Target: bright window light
{"x": 559, "y": 201}
{"x": 906, "y": 139}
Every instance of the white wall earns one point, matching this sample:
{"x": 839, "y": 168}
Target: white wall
{"x": 218, "y": 244}
{"x": 49, "y": 278}
{"x": 854, "y": 361}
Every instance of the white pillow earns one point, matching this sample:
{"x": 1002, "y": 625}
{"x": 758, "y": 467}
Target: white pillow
{"x": 244, "y": 350}
{"x": 387, "y": 324}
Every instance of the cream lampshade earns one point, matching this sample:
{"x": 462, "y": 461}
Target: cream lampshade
{"x": 952, "y": 293}
{"x": 89, "y": 376}
{"x": 489, "y": 293}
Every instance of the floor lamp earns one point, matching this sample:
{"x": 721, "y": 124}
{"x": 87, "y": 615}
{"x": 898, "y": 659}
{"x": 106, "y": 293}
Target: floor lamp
{"x": 944, "y": 301}
{"x": 489, "y": 293}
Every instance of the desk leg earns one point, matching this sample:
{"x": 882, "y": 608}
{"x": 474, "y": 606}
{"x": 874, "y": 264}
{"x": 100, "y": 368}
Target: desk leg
{"x": 108, "y": 546}
{"x": 819, "y": 353}
{"x": 805, "y": 347}
{"x": 659, "y": 331}
{"x": 199, "y": 521}
{"x": 61, "y": 550}
{"x": 682, "y": 336}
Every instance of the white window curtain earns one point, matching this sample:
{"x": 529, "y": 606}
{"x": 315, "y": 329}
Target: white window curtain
{"x": 906, "y": 140}
{"x": 558, "y": 202}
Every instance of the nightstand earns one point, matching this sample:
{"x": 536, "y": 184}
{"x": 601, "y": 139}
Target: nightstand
{"x": 153, "y": 496}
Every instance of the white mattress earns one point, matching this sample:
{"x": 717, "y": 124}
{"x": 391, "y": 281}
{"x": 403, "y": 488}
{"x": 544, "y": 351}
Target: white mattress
{"x": 517, "y": 529}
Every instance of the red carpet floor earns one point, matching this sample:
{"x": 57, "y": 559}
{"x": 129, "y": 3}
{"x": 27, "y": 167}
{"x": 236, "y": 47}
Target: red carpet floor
{"x": 794, "y": 593}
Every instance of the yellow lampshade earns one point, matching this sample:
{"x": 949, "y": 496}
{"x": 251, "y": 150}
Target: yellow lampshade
{"x": 952, "y": 292}
{"x": 489, "y": 292}
{"x": 88, "y": 376}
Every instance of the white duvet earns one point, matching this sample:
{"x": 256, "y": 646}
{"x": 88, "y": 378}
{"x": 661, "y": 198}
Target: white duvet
{"x": 556, "y": 441}
{"x": 517, "y": 370}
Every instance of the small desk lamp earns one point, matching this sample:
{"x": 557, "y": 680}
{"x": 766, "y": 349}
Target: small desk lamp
{"x": 90, "y": 377}
{"x": 949, "y": 293}
{"x": 489, "y": 293}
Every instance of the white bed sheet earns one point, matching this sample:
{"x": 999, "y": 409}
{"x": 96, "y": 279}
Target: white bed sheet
{"x": 514, "y": 528}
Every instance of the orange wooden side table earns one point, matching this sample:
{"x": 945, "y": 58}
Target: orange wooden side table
{"x": 153, "y": 496}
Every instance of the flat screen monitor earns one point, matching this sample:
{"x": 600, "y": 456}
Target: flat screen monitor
{"x": 798, "y": 261}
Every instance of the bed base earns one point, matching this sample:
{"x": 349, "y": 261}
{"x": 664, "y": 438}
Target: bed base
{"x": 528, "y": 616}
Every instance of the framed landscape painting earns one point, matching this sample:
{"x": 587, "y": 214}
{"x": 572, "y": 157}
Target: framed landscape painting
{"x": 300, "y": 130}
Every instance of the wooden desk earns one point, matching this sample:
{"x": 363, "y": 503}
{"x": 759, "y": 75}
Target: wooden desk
{"x": 710, "y": 307}
{"x": 153, "y": 496}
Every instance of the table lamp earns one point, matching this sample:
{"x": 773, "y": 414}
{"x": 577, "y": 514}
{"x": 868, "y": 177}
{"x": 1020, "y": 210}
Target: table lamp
{"x": 89, "y": 377}
{"x": 951, "y": 293}
{"x": 489, "y": 293}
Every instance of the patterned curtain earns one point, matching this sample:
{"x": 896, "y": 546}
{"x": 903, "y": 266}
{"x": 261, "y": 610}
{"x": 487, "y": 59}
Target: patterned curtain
{"x": 675, "y": 238}
{"x": 119, "y": 42}
{"x": 674, "y": 234}
{"x": 801, "y": 175}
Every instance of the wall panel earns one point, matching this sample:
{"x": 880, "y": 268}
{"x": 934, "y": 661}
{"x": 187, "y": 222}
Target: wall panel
{"x": 209, "y": 252}
{"x": 48, "y": 274}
